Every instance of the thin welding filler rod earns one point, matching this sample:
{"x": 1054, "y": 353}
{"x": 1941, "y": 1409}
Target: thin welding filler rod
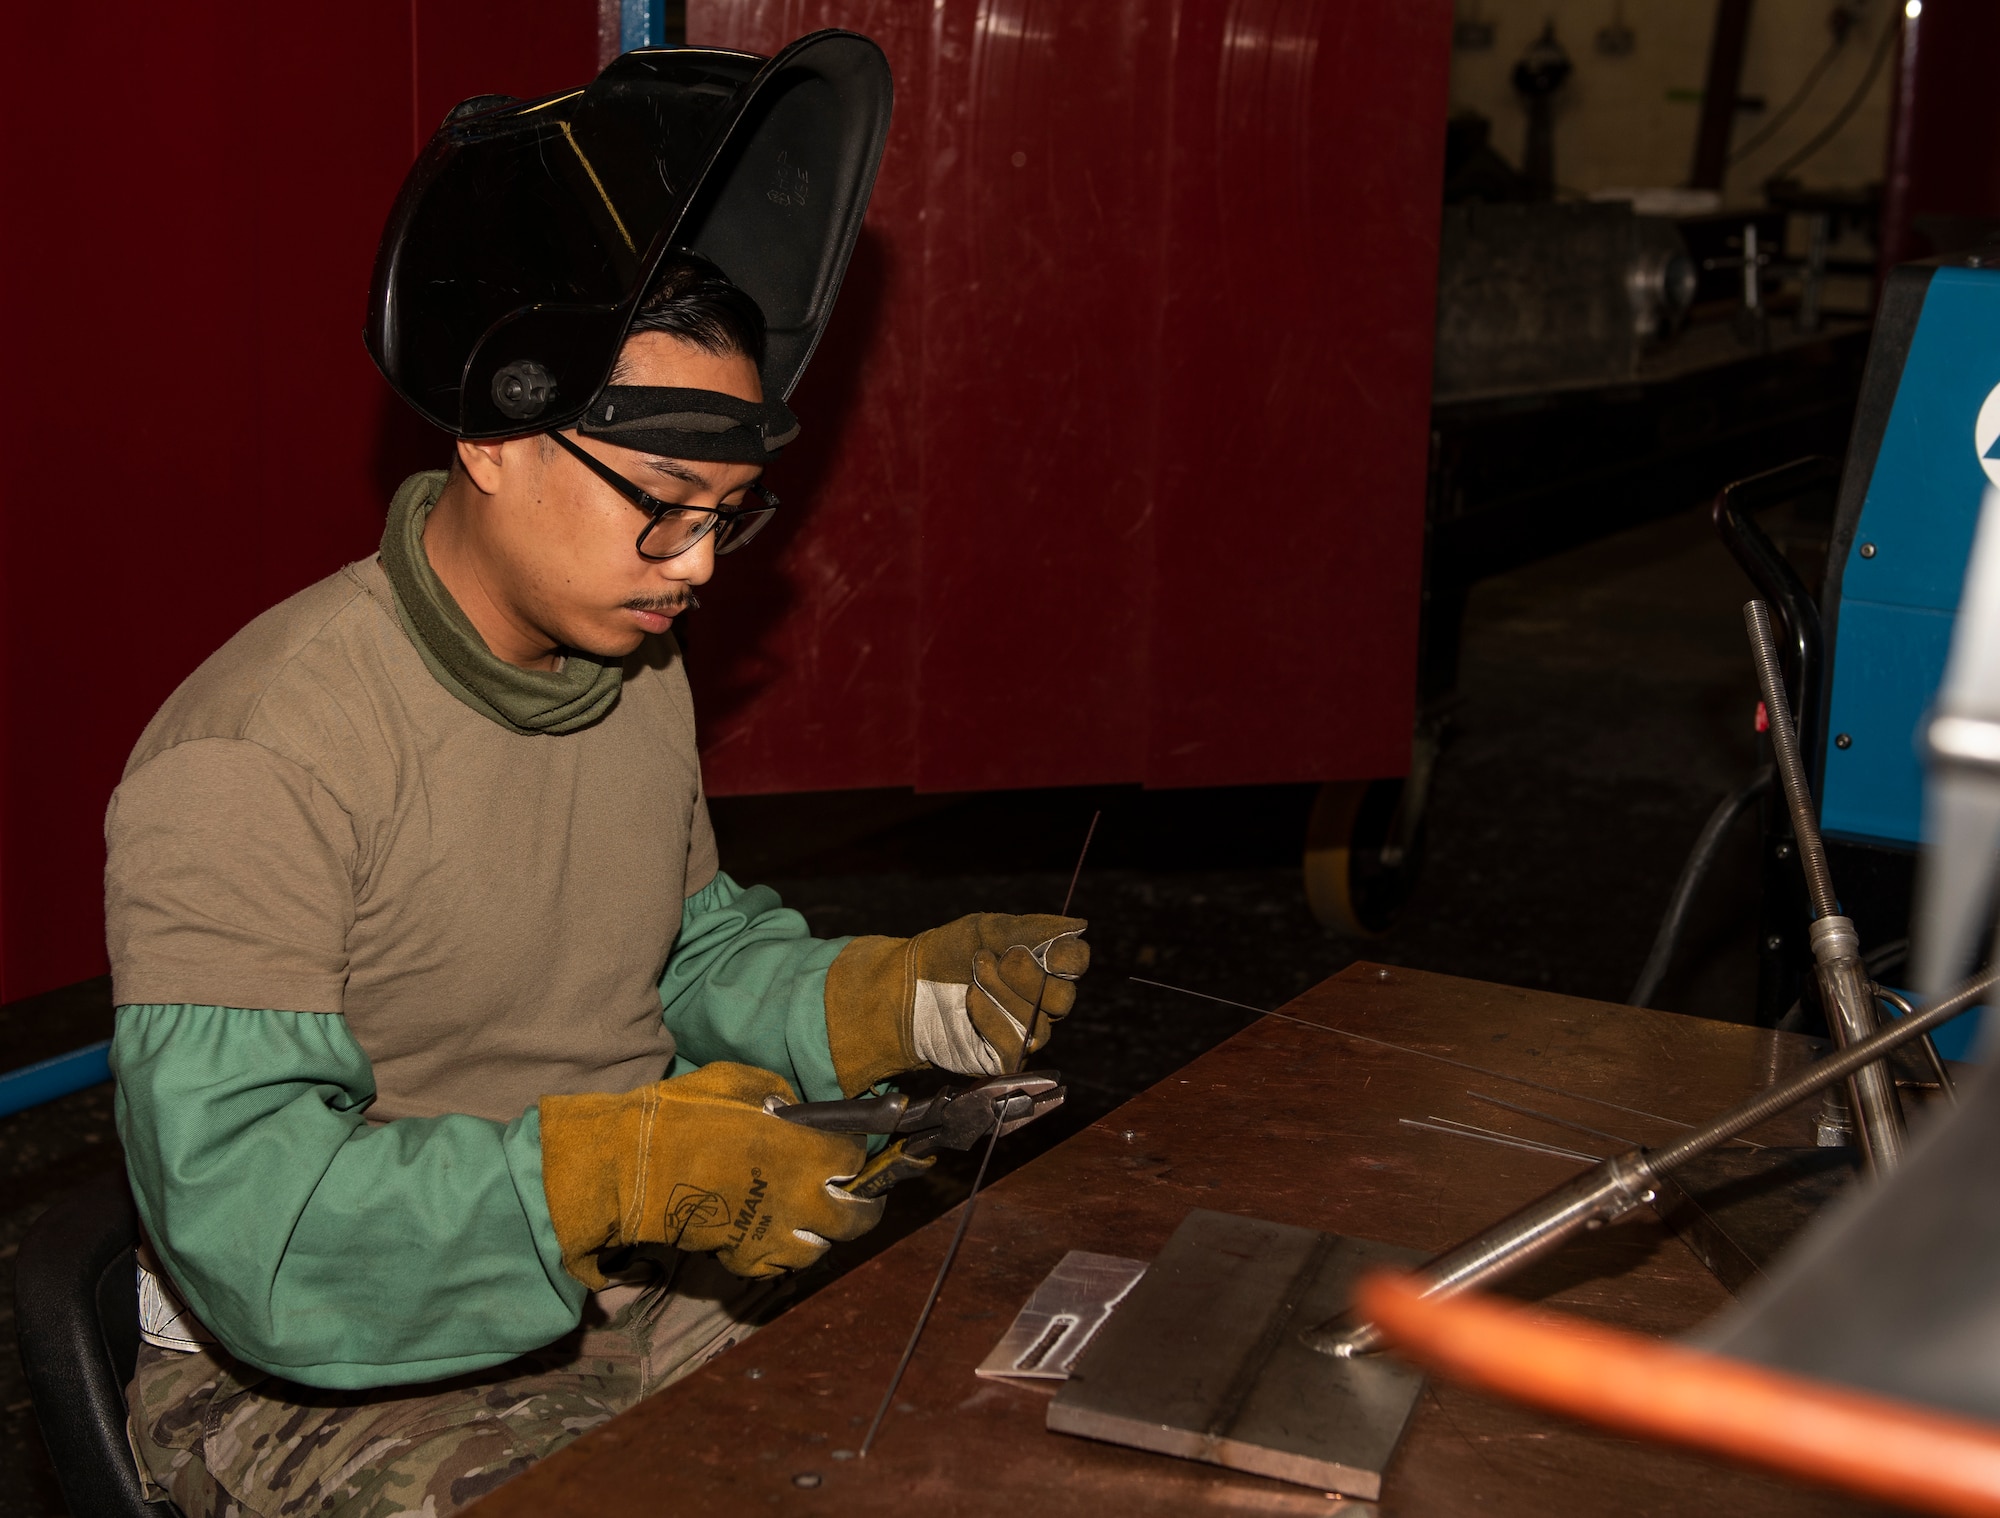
{"x": 1068, "y": 896}
{"x": 1082, "y": 854}
{"x": 1067, "y": 899}
{"x": 1519, "y": 1080}
{"x": 972, "y": 1196}
{"x": 937, "y": 1285}
{"x": 1514, "y": 1138}
{"x": 1491, "y": 1136}
{"x": 1548, "y": 1117}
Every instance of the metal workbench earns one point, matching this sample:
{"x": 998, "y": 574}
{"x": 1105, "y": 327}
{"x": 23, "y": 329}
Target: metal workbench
{"x": 1296, "y": 1124}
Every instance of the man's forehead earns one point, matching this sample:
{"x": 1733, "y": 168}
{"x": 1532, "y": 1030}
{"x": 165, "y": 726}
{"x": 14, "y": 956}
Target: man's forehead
{"x": 664, "y": 361}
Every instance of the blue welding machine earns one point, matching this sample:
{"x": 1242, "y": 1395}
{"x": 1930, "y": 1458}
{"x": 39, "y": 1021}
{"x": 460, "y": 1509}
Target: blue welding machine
{"x": 1926, "y": 444}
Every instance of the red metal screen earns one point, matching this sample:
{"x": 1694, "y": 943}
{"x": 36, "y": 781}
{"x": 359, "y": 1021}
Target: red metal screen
{"x": 1115, "y": 452}
{"x": 1114, "y": 458}
{"x": 193, "y": 429}
{"x": 1944, "y": 157}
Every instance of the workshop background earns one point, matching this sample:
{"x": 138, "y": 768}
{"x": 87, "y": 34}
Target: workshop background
{"x": 1255, "y": 420}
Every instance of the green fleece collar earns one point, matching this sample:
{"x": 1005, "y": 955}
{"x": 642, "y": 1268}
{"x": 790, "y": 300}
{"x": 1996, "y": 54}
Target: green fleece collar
{"x": 527, "y": 701}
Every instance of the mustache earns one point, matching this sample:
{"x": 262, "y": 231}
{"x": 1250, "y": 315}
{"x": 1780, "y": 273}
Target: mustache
{"x": 671, "y": 604}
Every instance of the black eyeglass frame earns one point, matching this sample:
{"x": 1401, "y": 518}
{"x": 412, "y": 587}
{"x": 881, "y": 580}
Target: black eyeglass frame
{"x": 656, "y": 509}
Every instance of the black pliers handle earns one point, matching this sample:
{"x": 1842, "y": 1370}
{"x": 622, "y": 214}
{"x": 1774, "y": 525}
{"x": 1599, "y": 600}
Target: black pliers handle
{"x": 955, "y": 1118}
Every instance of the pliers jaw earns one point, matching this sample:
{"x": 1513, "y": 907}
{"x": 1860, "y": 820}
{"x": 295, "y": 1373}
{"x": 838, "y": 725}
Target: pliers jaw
{"x": 958, "y": 1119}
{"x": 955, "y": 1118}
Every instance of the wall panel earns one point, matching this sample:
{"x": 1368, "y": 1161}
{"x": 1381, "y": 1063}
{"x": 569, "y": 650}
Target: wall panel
{"x": 1113, "y": 456}
{"x": 193, "y": 426}
{"x": 1156, "y": 369}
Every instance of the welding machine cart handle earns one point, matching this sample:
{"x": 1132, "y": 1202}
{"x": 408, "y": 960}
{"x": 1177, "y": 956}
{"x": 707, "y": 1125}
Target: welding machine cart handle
{"x": 1778, "y": 584}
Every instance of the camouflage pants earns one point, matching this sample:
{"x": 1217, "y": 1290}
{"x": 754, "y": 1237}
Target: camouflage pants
{"x": 227, "y": 1441}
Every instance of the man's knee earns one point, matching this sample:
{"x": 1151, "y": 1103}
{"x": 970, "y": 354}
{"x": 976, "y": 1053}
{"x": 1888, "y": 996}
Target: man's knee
{"x": 272, "y": 1450}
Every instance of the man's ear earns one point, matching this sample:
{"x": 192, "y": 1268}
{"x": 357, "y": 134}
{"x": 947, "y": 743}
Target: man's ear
{"x": 482, "y": 463}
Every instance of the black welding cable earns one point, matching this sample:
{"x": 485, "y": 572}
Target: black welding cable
{"x": 1699, "y": 861}
{"x": 1790, "y": 108}
{"x": 1845, "y": 114}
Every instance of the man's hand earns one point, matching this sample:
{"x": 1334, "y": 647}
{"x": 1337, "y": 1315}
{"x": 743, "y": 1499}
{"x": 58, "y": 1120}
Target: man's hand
{"x": 698, "y": 1163}
{"x": 976, "y": 996}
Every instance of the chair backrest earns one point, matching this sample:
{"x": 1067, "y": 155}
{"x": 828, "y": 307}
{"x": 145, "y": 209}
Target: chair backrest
{"x": 76, "y": 1305}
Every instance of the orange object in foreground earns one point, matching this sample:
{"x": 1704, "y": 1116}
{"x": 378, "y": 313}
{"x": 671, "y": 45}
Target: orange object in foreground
{"x": 1859, "y": 1442}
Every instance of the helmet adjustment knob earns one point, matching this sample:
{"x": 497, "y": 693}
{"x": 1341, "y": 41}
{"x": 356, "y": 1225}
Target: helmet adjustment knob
{"x": 522, "y": 390}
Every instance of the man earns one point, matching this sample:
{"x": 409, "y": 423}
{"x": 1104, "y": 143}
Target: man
{"x": 446, "y": 1056}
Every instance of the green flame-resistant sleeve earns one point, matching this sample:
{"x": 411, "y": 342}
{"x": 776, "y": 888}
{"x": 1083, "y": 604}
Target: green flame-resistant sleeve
{"x": 313, "y": 1244}
{"x": 747, "y": 982}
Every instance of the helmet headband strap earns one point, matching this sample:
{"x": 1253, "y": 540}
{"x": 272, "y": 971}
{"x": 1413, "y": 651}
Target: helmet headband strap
{"x": 703, "y": 425}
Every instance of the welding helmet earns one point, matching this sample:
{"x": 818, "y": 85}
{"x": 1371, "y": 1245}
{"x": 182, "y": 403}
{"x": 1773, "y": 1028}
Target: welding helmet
{"x": 527, "y": 233}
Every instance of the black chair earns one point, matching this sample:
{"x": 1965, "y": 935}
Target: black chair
{"x": 76, "y": 1305}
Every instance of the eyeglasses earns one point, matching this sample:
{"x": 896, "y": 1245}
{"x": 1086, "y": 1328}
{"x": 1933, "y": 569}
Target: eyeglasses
{"x": 672, "y": 530}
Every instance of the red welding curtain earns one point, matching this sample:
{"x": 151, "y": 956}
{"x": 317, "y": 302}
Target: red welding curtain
{"x": 1114, "y": 460}
{"x": 1944, "y": 156}
{"x": 193, "y": 430}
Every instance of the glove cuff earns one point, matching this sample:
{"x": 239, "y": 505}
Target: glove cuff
{"x": 871, "y": 992}
{"x": 593, "y": 1153}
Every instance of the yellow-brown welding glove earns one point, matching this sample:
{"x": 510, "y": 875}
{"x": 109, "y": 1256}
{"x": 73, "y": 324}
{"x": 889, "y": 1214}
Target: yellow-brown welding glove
{"x": 961, "y": 997}
{"x": 699, "y": 1163}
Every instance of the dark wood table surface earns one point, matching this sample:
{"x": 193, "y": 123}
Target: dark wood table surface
{"x": 1296, "y": 1124}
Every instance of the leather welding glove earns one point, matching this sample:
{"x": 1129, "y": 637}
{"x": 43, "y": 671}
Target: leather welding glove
{"x": 960, "y": 997}
{"x": 698, "y": 1162}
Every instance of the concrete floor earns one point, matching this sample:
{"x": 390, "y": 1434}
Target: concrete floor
{"x": 1605, "y": 705}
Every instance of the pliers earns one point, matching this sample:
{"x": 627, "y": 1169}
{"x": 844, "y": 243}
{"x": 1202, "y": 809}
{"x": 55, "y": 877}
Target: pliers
{"x": 952, "y": 1119}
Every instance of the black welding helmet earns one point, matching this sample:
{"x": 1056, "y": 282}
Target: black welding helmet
{"x": 528, "y": 232}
